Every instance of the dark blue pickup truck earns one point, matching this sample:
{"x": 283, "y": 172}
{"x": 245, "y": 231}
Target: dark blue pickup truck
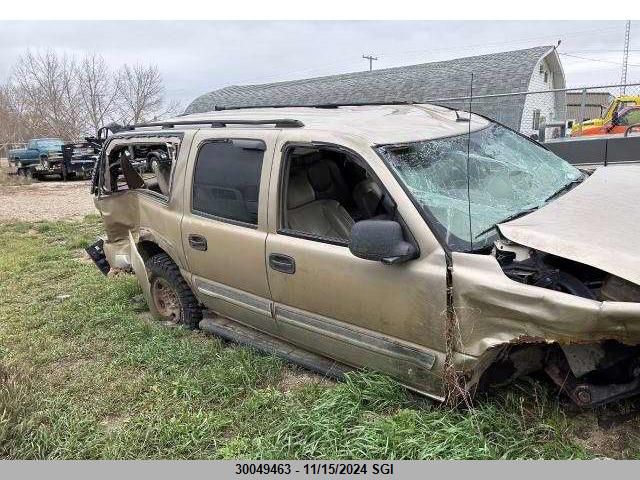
{"x": 40, "y": 153}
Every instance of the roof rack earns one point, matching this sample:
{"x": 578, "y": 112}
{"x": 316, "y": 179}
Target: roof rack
{"x": 278, "y": 123}
{"x": 217, "y": 108}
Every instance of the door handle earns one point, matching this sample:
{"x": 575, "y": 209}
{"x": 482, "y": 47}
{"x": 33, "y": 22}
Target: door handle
{"x": 197, "y": 242}
{"x": 282, "y": 263}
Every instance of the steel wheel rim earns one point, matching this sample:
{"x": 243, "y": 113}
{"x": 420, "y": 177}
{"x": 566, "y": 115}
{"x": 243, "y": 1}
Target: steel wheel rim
{"x": 166, "y": 300}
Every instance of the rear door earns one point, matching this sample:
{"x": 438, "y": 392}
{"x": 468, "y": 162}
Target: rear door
{"x": 224, "y": 227}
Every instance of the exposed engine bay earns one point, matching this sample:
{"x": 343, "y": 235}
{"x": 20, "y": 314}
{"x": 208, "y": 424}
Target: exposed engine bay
{"x": 590, "y": 374}
{"x": 540, "y": 269}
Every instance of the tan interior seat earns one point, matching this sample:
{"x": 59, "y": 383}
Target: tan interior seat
{"x": 325, "y": 218}
{"x": 163, "y": 174}
{"x": 328, "y": 183}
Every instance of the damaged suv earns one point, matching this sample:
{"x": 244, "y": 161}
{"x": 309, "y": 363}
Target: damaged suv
{"x": 415, "y": 240}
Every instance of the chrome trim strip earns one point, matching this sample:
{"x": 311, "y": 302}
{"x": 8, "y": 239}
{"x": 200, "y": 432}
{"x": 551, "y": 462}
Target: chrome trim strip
{"x": 364, "y": 339}
{"x": 234, "y": 296}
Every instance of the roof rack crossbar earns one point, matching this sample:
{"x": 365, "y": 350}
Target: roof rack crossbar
{"x": 221, "y": 123}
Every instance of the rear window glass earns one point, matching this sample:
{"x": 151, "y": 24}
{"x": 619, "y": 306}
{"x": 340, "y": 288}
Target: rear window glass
{"x": 227, "y": 180}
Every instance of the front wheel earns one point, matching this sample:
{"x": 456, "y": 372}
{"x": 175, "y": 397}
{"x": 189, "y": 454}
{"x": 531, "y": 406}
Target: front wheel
{"x": 171, "y": 295}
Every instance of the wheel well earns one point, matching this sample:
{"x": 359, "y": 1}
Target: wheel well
{"x": 148, "y": 249}
{"x": 590, "y": 373}
{"x": 504, "y": 363}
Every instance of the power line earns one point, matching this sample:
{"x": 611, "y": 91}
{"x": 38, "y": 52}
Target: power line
{"x": 597, "y": 60}
{"x": 508, "y": 42}
{"x": 606, "y": 50}
{"x": 371, "y": 58}
{"x": 625, "y": 56}
{"x": 397, "y": 53}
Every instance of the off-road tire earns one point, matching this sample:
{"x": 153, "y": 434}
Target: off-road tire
{"x": 161, "y": 266}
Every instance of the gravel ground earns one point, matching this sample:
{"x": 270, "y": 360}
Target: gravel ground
{"x": 43, "y": 200}
{"x": 46, "y": 200}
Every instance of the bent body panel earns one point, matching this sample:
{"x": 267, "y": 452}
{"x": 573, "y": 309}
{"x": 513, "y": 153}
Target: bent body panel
{"x": 491, "y": 309}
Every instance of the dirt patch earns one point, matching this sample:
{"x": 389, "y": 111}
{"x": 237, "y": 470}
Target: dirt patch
{"x": 46, "y": 200}
{"x": 114, "y": 422}
{"x": 608, "y": 435}
{"x": 68, "y": 366}
{"x": 294, "y": 378}
{"x": 82, "y": 256}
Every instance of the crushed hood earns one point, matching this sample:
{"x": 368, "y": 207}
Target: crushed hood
{"x": 597, "y": 223}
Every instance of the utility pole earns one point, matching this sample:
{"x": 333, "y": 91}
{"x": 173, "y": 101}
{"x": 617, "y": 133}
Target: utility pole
{"x": 625, "y": 57}
{"x": 371, "y": 58}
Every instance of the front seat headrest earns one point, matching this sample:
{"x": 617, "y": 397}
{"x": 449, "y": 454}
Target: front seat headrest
{"x": 299, "y": 192}
{"x": 320, "y": 176}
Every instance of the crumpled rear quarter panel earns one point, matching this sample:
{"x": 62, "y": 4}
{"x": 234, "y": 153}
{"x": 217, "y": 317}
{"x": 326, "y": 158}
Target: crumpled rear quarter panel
{"x": 120, "y": 215}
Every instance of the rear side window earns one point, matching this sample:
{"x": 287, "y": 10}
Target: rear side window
{"x": 226, "y": 180}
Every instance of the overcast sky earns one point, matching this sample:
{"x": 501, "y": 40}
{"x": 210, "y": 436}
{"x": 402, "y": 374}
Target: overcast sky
{"x": 197, "y": 57}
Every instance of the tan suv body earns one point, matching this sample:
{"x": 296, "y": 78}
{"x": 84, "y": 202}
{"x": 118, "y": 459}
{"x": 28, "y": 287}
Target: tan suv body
{"x": 316, "y": 226}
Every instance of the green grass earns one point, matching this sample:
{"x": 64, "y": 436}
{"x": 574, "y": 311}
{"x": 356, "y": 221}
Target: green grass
{"x": 89, "y": 376}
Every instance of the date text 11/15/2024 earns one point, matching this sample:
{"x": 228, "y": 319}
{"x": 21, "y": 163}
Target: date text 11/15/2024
{"x": 315, "y": 468}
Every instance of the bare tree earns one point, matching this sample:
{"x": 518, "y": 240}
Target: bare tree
{"x": 50, "y": 94}
{"x": 141, "y": 94}
{"x": 47, "y": 85}
{"x": 8, "y": 122}
{"x": 16, "y": 122}
{"x": 98, "y": 88}
{"x": 169, "y": 108}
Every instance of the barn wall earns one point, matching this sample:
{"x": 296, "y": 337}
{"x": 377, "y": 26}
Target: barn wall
{"x": 596, "y": 104}
{"x": 545, "y": 102}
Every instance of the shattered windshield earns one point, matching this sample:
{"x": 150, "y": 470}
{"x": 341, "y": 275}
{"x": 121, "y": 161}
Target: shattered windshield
{"x": 508, "y": 175}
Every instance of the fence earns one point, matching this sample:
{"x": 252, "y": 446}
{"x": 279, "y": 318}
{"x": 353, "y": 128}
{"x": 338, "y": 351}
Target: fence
{"x": 548, "y": 113}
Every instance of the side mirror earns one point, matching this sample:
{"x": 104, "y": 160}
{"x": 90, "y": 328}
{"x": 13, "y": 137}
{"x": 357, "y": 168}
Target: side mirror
{"x": 381, "y": 241}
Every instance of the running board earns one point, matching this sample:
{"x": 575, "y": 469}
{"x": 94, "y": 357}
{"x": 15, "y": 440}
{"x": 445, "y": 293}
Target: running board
{"x": 265, "y": 343}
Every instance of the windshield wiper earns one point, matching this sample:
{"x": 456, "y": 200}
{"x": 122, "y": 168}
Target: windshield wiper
{"x": 565, "y": 189}
{"x": 508, "y": 219}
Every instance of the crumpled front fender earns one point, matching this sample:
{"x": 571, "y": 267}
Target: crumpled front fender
{"x": 492, "y": 309}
